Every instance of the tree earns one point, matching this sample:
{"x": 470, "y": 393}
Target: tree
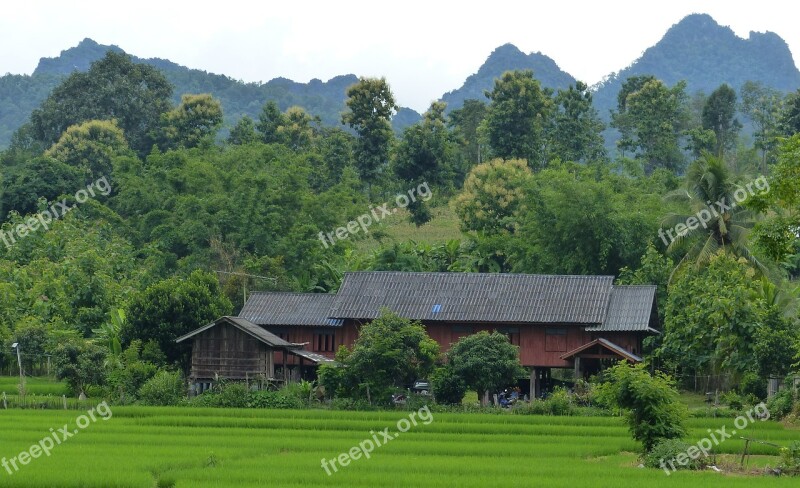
{"x": 712, "y": 318}
{"x": 485, "y": 362}
{"x": 518, "y": 116}
{"x": 244, "y": 132}
{"x": 38, "y": 178}
{"x": 651, "y": 118}
{"x": 492, "y": 196}
{"x": 296, "y": 131}
{"x": 196, "y": 119}
{"x": 90, "y": 147}
{"x": 605, "y": 229}
{"x": 762, "y": 105}
{"x": 776, "y": 343}
{"x": 466, "y": 123}
{"x": 655, "y": 269}
{"x": 336, "y": 149}
{"x": 577, "y": 132}
{"x": 448, "y": 387}
{"x": 77, "y": 362}
{"x": 173, "y": 307}
{"x": 650, "y": 402}
{"x": 776, "y": 235}
{"x": 710, "y": 193}
{"x": 620, "y": 119}
{"x": 790, "y": 117}
{"x": 370, "y": 104}
{"x": 425, "y": 154}
{"x": 719, "y": 115}
{"x": 113, "y": 88}
{"x": 269, "y": 121}
{"x": 390, "y": 352}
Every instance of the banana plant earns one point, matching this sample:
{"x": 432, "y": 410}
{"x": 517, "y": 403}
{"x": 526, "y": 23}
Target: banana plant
{"x": 109, "y": 335}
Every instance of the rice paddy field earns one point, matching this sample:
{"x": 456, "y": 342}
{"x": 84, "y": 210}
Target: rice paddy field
{"x": 193, "y": 447}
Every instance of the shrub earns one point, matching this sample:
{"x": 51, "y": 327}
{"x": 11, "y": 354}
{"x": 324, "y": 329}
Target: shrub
{"x": 650, "y": 403}
{"x": 667, "y": 450}
{"x": 273, "y": 399}
{"x": 448, "y": 387}
{"x": 752, "y": 385}
{"x": 790, "y": 459}
{"x": 303, "y": 391}
{"x": 332, "y": 379}
{"x": 733, "y": 400}
{"x": 229, "y": 395}
{"x": 165, "y": 388}
{"x": 780, "y": 405}
{"x": 559, "y": 402}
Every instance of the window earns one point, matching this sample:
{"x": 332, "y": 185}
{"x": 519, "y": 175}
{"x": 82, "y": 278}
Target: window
{"x": 283, "y": 333}
{"x": 555, "y": 339}
{"x": 459, "y": 331}
{"x": 324, "y": 341}
{"x": 512, "y": 333}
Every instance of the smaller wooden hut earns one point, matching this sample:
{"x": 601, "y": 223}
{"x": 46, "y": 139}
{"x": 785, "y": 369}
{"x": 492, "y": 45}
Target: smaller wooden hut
{"x": 233, "y": 348}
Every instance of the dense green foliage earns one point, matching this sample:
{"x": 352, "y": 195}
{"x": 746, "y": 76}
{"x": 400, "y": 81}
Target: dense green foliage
{"x": 139, "y": 94}
{"x": 485, "y": 362}
{"x": 389, "y": 354}
{"x": 650, "y": 403}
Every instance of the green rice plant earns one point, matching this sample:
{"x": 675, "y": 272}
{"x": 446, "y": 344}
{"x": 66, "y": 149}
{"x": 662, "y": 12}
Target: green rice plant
{"x": 220, "y": 447}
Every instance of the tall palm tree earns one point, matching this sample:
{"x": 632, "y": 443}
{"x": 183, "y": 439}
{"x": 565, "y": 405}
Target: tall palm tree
{"x": 709, "y": 192}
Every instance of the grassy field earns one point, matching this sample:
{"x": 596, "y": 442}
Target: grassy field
{"x": 397, "y": 228}
{"x": 146, "y": 447}
{"x": 34, "y": 386}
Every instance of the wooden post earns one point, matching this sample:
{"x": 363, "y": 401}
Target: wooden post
{"x": 746, "y": 445}
{"x": 5, "y": 402}
{"x": 64, "y": 399}
{"x": 577, "y": 368}
{"x": 535, "y": 383}
{"x": 285, "y": 370}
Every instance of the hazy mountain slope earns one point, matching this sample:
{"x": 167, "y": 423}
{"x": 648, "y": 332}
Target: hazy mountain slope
{"x": 507, "y": 58}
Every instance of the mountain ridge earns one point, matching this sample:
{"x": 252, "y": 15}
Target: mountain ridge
{"x": 706, "y": 54}
{"x": 504, "y": 58}
{"x": 697, "y": 49}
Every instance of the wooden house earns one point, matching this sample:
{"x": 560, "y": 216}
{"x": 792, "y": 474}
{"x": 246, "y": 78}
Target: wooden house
{"x": 235, "y": 348}
{"x": 576, "y": 322}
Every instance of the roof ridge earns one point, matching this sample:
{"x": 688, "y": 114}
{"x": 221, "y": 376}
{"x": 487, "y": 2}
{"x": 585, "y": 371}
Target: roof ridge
{"x": 299, "y": 293}
{"x": 461, "y": 273}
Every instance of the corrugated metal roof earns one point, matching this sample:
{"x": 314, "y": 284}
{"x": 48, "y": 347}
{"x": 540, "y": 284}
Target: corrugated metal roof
{"x": 247, "y": 327}
{"x": 312, "y": 356}
{"x": 277, "y": 308}
{"x": 629, "y": 309}
{"x": 474, "y": 297}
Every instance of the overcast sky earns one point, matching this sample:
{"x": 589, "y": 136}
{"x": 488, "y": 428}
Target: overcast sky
{"x": 424, "y": 48}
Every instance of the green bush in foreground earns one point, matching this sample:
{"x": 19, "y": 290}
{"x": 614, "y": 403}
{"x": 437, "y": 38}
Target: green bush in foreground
{"x": 667, "y": 450}
{"x": 163, "y": 389}
{"x": 650, "y": 403}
